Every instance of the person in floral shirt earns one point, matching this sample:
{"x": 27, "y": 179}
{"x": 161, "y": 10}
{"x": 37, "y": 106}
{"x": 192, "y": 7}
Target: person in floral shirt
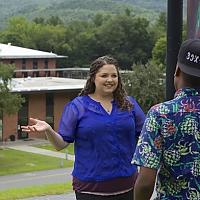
{"x": 168, "y": 151}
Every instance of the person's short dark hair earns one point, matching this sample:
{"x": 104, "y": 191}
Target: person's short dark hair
{"x": 189, "y": 57}
{"x": 193, "y": 81}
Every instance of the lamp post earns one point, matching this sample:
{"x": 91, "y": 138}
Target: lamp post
{"x": 174, "y": 39}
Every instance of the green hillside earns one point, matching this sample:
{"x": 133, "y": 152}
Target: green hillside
{"x": 155, "y": 5}
{"x": 69, "y": 10}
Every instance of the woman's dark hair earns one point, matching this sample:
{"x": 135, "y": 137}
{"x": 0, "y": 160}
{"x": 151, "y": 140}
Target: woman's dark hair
{"x": 119, "y": 94}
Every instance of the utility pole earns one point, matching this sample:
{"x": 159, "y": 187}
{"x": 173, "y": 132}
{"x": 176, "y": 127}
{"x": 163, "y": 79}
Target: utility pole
{"x": 174, "y": 39}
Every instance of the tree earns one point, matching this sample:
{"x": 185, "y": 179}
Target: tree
{"x": 10, "y": 103}
{"x": 54, "y": 20}
{"x": 79, "y": 43}
{"x": 98, "y": 19}
{"x": 146, "y": 84}
{"x": 159, "y": 51}
{"x": 39, "y": 20}
{"x": 19, "y": 32}
{"x": 160, "y": 26}
{"x": 126, "y": 38}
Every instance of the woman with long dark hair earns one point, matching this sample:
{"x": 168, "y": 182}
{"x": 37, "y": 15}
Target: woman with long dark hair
{"x": 104, "y": 125}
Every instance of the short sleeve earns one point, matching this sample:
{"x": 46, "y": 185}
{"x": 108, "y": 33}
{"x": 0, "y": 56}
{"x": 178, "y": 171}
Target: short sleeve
{"x": 139, "y": 116}
{"x": 68, "y": 122}
{"x": 148, "y": 152}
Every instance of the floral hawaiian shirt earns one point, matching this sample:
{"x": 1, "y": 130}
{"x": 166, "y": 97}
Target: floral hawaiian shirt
{"x": 170, "y": 143}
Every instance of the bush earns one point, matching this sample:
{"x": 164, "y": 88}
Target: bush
{"x": 146, "y": 84}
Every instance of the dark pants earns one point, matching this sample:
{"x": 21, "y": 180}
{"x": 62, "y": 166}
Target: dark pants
{"x": 124, "y": 196}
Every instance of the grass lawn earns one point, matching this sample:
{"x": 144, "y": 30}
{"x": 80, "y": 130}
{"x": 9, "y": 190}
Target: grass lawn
{"x": 13, "y": 162}
{"x": 69, "y": 149}
{"x": 21, "y": 193}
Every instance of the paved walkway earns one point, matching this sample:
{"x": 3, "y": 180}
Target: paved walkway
{"x": 26, "y": 146}
{"x": 41, "y": 151}
{"x": 21, "y": 180}
{"x": 28, "y": 141}
{"x": 70, "y": 196}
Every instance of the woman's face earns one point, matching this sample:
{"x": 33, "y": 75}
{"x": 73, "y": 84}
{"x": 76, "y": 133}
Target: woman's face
{"x": 106, "y": 80}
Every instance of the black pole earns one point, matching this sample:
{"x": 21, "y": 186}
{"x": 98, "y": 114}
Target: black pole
{"x": 174, "y": 39}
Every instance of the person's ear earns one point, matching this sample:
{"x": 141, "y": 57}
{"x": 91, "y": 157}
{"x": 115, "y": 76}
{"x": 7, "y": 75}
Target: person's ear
{"x": 177, "y": 71}
{"x": 92, "y": 79}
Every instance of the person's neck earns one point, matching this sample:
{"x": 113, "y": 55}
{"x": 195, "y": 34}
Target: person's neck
{"x": 181, "y": 83}
{"x": 185, "y": 86}
{"x": 100, "y": 97}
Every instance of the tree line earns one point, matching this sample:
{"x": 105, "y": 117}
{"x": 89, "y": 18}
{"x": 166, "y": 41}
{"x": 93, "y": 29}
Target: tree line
{"x": 127, "y": 37}
{"x": 137, "y": 44}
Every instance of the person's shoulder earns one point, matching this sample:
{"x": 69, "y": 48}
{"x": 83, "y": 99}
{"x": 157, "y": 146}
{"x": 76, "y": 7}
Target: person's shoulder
{"x": 79, "y": 100}
{"x": 75, "y": 101}
{"x": 162, "y": 108}
{"x": 78, "y": 104}
{"x": 131, "y": 99}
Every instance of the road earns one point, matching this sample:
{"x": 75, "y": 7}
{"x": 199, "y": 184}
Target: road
{"x": 70, "y": 196}
{"x": 35, "y": 178}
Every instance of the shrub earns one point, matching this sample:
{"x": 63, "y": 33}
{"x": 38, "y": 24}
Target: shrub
{"x": 146, "y": 84}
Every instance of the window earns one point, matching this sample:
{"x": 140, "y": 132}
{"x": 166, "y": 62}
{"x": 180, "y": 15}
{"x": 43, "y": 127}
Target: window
{"x": 1, "y": 130}
{"x": 24, "y": 74}
{"x": 50, "y": 109}
{"x": 35, "y": 74}
{"x": 46, "y": 63}
{"x": 47, "y": 74}
{"x": 23, "y": 118}
{"x": 23, "y": 64}
{"x": 35, "y": 64}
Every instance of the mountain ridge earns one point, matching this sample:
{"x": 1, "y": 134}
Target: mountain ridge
{"x": 70, "y": 10}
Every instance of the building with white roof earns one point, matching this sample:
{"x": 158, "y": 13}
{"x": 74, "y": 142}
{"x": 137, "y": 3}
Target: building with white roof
{"x": 8, "y": 51}
{"x": 45, "y": 84}
{"x": 45, "y": 94}
{"x": 45, "y": 98}
{"x": 29, "y": 62}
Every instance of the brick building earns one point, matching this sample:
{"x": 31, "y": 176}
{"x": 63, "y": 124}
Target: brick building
{"x": 45, "y": 98}
{"x": 29, "y": 62}
{"x": 45, "y": 94}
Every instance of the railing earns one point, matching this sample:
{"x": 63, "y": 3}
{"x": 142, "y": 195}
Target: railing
{"x": 76, "y": 73}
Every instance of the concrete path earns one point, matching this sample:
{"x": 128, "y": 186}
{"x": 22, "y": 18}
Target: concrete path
{"x": 70, "y": 196}
{"x": 21, "y": 180}
{"x": 41, "y": 151}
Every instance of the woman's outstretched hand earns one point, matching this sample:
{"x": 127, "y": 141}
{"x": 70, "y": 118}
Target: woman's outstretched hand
{"x": 38, "y": 126}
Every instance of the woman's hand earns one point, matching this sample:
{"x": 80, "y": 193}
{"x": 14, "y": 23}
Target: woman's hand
{"x": 42, "y": 126}
{"x": 38, "y": 126}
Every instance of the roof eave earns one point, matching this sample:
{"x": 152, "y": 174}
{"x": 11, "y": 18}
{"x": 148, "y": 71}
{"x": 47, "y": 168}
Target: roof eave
{"x": 24, "y": 57}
